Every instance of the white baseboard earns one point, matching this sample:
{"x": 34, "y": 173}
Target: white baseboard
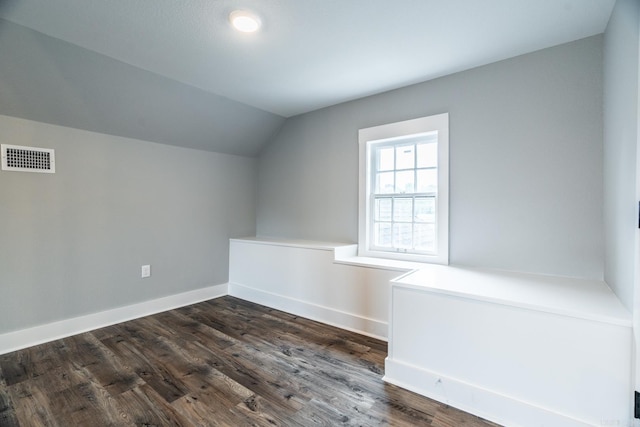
{"x": 24, "y": 338}
{"x": 351, "y": 322}
{"x": 484, "y": 403}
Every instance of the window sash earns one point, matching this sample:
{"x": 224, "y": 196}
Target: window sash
{"x": 395, "y": 235}
{"x": 429, "y": 137}
{"x": 416, "y": 220}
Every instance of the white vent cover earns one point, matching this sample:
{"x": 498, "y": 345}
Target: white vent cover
{"x": 27, "y": 159}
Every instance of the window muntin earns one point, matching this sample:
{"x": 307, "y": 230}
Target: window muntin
{"x": 404, "y": 190}
{"x": 404, "y": 196}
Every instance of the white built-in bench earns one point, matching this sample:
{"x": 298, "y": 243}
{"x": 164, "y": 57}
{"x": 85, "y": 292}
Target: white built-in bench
{"x": 519, "y": 349}
{"x": 302, "y": 277}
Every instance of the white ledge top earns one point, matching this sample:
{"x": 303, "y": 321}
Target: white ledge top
{"x": 294, "y": 243}
{"x": 582, "y": 298}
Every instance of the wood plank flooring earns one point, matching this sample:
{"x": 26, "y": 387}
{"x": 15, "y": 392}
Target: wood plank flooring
{"x": 224, "y": 362}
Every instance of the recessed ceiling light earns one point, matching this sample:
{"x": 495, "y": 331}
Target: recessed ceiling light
{"x": 245, "y": 21}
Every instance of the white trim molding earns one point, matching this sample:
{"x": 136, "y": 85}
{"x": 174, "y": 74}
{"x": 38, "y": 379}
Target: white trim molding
{"x": 487, "y": 404}
{"x": 399, "y": 131}
{"x": 24, "y": 338}
{"x": 340, "y": 319}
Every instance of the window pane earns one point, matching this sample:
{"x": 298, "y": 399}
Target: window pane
{"x": 427, "y": 181}
{"x": 385, "y": 159}
{"x": 382, "y": 235}
{"x": 428, "y": 155}
{"x": 404, "y": 182}
{"x": 402, "y": 236}
{"x": 405, "y": 155}
{"x": 383, "y": 209}
{"x": 425, "y": 209}
{"x": 403, "y": 209}
{"x": 425, "y": 237}
{"x": 384, "y": 183}
{"x": 402, "y": 191}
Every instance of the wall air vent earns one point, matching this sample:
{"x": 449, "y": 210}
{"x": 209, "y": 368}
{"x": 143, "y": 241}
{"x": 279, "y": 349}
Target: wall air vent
{"x": 27, "y": 159}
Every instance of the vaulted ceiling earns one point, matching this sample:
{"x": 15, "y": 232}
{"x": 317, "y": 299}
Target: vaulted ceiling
{"x": 175, "y": 72}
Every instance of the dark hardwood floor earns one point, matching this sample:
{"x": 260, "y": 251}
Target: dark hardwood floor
{"x": 225, "y": 362}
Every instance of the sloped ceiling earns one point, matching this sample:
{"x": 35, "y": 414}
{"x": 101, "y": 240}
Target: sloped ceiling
{"x": 52, "y": 81}
{"x": 173, "y": 71}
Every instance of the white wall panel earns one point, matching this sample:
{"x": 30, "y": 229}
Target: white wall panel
{"x": 302, "y": 278}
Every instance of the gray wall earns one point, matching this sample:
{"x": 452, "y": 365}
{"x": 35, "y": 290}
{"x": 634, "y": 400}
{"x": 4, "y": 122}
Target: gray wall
{"x": 72, "y": 242}
{"x": 620, "y": 142}
{"x": 525, "y": 163}
{"x": 52, "y": 81}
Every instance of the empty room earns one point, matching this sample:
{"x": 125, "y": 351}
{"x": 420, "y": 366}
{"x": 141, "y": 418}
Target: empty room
{"x": 320, "y": 213}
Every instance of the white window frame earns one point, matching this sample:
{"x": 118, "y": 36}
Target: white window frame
{"x": 368, "y": 138}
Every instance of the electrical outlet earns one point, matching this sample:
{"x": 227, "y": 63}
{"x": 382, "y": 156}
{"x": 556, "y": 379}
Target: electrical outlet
{"x": 146, "y": 271}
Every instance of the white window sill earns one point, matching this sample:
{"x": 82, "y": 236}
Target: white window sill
{"x": 344, "y": 253}
{"x": 348, "y": 256}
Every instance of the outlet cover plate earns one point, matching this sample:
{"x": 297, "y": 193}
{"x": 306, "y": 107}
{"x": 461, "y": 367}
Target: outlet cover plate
{"x": 146, "y": 271}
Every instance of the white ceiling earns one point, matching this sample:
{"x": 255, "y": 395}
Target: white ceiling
{"x": 310, "y": 53}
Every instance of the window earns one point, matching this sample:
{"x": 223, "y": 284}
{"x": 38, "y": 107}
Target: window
{"x": 404, "y": 180}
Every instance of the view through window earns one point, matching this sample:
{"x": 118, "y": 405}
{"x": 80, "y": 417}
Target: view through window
{"x": 404, "y": 197}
